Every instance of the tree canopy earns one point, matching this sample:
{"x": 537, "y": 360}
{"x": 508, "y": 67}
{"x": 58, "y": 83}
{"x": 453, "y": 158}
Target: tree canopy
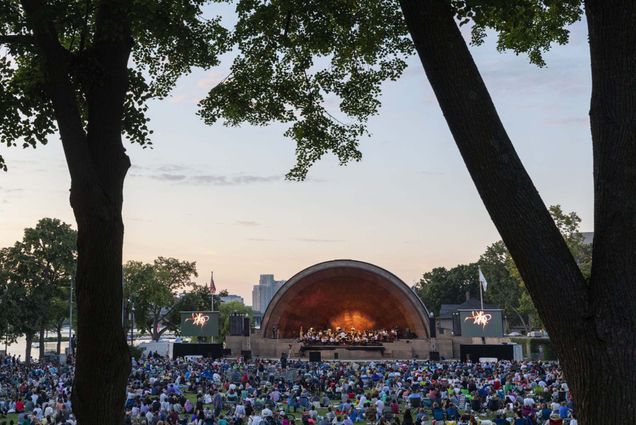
{"x": 166, "y": 40}
{"x": 155, "y": 291}
{"x": 36, "y": 275}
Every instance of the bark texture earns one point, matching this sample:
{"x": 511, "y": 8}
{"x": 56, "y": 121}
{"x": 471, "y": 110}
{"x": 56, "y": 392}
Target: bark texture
{"x": 590, "y": 323}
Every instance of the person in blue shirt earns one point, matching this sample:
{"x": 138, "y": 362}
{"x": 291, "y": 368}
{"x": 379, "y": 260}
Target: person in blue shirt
{"x": 500, "y": 421}
{"x": 451, "y": 412}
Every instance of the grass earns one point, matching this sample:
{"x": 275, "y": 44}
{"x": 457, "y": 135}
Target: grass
{"x": 10, "y": 417}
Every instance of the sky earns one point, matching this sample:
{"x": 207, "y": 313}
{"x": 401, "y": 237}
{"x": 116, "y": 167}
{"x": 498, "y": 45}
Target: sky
{"x": 217, "y": 196}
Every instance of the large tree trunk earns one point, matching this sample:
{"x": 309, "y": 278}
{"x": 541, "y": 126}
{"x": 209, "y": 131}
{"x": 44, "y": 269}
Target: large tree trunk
{"x": 102, "y": 361}
{"x": 29, "y": 345}
{"x": 590, "y": 324}
{"x": 610, "y": 357}
{"x": 98, "y": 164}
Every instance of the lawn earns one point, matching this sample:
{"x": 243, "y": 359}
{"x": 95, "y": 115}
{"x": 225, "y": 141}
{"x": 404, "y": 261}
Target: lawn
{"x": 10, "y": 417}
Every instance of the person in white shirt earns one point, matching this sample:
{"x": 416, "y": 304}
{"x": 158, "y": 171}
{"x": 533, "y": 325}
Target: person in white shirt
{"x": 254, "y": 420}
{"x": 528, "y": 401}
{"x": 239, "y": 411}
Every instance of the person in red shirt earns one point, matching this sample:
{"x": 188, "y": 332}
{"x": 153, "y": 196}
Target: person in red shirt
{"x": 19, "y": 406}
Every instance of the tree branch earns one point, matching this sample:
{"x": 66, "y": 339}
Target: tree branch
{"x": 524, "y": 223}
{"x": 57, "y": 61}
{"x": 16, "y": 39}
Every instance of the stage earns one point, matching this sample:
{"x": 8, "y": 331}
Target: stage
{"x": 402, "y": 349}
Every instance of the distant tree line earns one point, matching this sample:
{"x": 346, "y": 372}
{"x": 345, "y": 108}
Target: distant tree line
{"x": 35, "y": 281}
{"x": 35, "y": 285}
{"x": 505, "y": 285}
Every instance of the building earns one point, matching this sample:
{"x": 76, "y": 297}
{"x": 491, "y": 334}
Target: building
{"x": 232, "y": 298}
{"x": 263, "y": 293}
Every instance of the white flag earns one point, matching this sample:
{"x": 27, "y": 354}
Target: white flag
{"x": 482, "y": 280}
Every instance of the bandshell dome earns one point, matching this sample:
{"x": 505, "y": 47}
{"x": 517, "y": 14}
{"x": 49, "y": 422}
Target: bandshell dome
{"x": 344, "y": 293}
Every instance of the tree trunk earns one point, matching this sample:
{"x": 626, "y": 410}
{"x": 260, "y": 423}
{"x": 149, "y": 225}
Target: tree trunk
{"x": 102, "y": 361}
{"x": 42, "y": 345}
{"x": 59, "y": 339}
{"x": 608, "y": 361}
{"x": 29, "y": 344}
{"x": 97, "y": 164}
{"x": 591, "y": 324}
{"x": 523, "y": 322}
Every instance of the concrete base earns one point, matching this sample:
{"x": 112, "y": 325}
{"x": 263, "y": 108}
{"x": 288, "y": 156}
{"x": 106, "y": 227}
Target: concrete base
{"x": 273, "y": 348}
{"x": 447, "y": 347}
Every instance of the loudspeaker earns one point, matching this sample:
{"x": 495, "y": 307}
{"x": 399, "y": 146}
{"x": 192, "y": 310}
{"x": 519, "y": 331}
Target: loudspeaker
{"x": 236, "y": 324}
{"x": 315, "y": 356}
{"x": 433, "y": 355}
{"x": 246, "y": 326}
{"x": 246, "y": 354}
{"x": 432, "y": 327}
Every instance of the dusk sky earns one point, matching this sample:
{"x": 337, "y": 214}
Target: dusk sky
{"x": 216, "y": 195}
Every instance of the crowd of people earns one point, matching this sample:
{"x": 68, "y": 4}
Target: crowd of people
{"x": 353, "y": 336}
{"x": 200, "y": 391}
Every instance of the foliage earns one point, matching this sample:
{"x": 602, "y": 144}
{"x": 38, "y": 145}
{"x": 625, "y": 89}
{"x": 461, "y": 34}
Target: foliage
{"x": 503, "y": 288}
{"x": 523, "y": 26}
{"x": 169, "y": 38}
{"x": 36, "y": 274}
{"x": 153, "y": 290}
{"x": 297, "y": 60}
{"x": 298, "y": 57}
{"x": 448, "y": 286}
{"x": 225, "y": 309}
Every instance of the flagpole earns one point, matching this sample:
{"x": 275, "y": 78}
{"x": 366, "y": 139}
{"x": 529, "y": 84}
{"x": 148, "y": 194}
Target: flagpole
{"x": 481, "y": 294}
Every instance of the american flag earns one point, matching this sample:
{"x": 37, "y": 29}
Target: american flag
{"x": 212, "y": 285}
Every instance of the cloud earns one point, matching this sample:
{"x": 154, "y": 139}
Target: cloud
{"x": 247, "y": 223}
{"x": 232, "y": 181}
{"x": 261, "y": 240}
{"x": 312, "y": 240}
{"x": 169, "y": 168}
{"x": 183, "y": 174}
{"x": 169, "y": 177}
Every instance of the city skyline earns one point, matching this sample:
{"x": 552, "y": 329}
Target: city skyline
{"x": 217, "y": 196}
